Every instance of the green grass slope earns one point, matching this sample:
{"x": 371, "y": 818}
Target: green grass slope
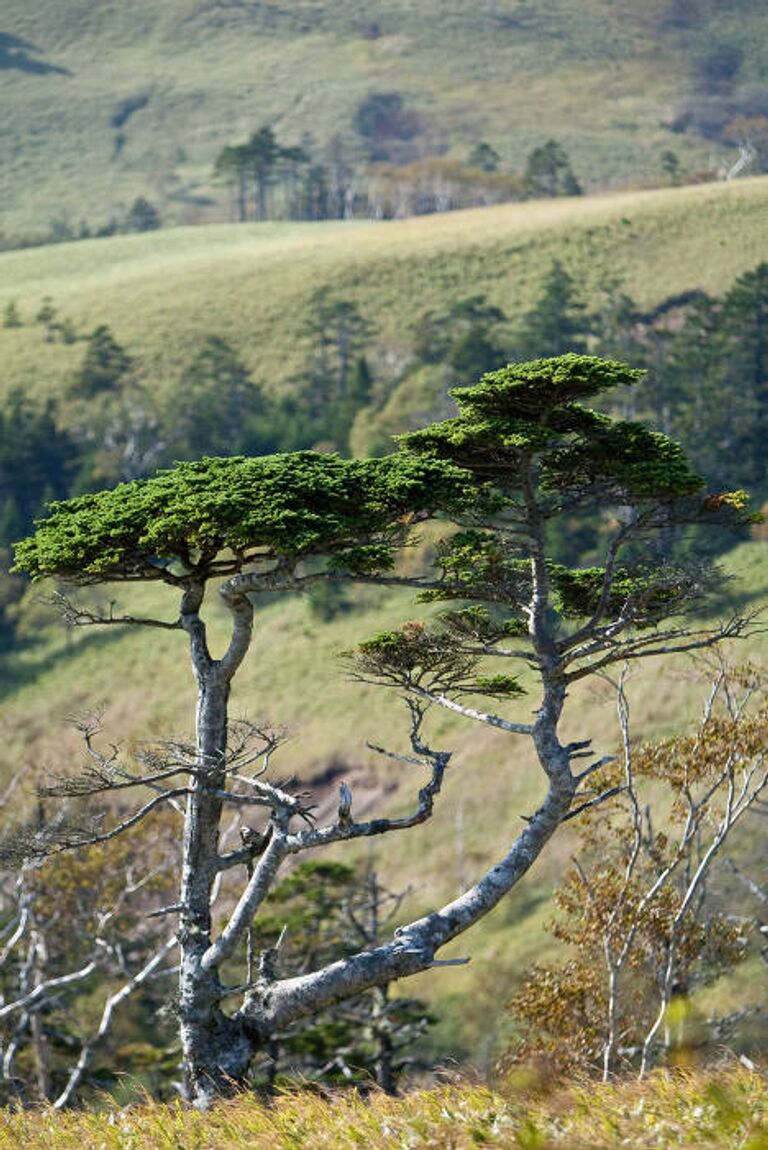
{"x": 104, "y": 102}
{"x": 161, "y": 293}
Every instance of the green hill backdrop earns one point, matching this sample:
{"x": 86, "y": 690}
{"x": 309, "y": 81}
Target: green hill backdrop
{"x": 106, "y": 102}
{"x": 257, "y": 286}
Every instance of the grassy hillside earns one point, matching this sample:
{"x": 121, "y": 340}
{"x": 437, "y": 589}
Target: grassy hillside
{"x": 161, "y": 293}
{"x": 105, "y": 102}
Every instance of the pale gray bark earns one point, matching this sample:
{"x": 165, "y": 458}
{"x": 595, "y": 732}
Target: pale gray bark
{"x": 216, "y": 1053}
{"x": 276, "y": 1004}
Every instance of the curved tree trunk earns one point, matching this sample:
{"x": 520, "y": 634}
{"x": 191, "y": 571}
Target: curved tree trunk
{"x": 219, "y": 1048}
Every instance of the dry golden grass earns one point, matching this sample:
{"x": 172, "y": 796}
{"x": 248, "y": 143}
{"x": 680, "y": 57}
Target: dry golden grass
{"x": 726, "y": 1111}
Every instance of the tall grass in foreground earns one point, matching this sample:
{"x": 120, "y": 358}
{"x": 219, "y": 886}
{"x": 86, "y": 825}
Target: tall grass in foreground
{"x": 726, "y": 1110}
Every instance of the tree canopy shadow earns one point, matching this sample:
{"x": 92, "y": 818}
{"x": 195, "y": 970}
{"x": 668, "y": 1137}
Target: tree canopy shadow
{"x": 16, "y": 53}
{"x": 21, "y": 673}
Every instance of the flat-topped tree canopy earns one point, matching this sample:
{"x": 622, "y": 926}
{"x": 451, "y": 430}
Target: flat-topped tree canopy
{"x": 540, "y": 386}
{"x": 212, "y": 516}
{"x": 533, "y": 409}
{"x": 524, "y": 431}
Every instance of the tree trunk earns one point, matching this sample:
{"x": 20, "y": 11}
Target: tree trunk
{"x": 262, "y": 203}
{"x": 37, "y": 1030}
{"x": 242, "y": 211}
{"x": 217, "y": 1051}
{"x": 203, "y": 1027}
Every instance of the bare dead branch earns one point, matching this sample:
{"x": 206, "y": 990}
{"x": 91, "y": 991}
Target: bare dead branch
{"x": 173, "y": 909}
{"x": 74, "y": 838}
{"x": 471, "y": 713}
{"x": 75, "y": 615}
{"x": 43, "y": 989}
{"x": 643, "y": 647}
{"x": 590, "y": 770}
{"x": 595, "y": 802}
{"x": 86, "y": 1054}
{"x": 759, "y": 892}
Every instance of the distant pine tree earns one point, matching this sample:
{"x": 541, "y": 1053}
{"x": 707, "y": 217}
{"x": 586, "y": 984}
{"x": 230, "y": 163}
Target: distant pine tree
{"x": 11, "y": 315}
{"x": 558, "y": 322}
{"x": 218, "y": 409}
{"x": 484, "y": 156}
{"x": 142, "y": 216}
{"x": 745, "y": 366}
{"x": 548, "y": 172}
{"x": 104, "y": 368}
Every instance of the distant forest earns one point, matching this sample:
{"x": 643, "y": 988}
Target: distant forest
{"x": 266, "y": 179}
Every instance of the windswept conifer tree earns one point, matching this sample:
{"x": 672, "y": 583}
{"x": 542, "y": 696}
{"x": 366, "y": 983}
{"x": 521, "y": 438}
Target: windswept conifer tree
{"x": 523, "y": 452}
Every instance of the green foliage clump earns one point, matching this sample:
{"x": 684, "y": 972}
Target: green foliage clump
{"x": 529, "y": 390}
{"x": 644, "y": 594}
{"x": 530, "y": 412}
{"x": 476, "y": 623}
{"x": 431, "y": 659}
{"x": 411, "y": 652}
{"x": 287, "y": 505}
{"x": 363, "y": 559}
{"x": 495, "y": 439}
{"x": 644, "y": 462}
{"x": 475, "y": 564}
{"x": 498, "y": 686}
